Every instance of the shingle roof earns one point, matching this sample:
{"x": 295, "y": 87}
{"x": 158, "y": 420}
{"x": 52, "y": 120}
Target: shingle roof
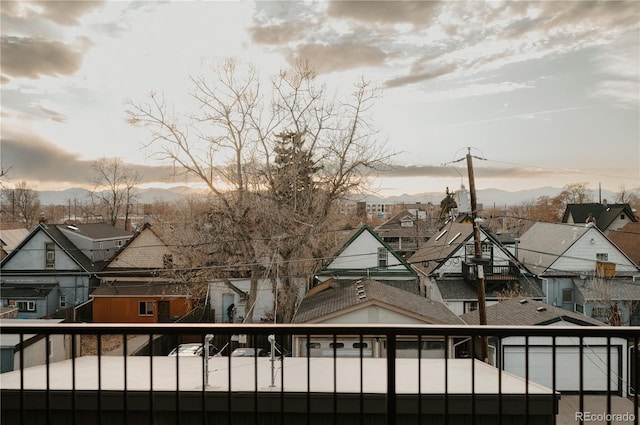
{"x": 527, "y": 312}
{"x": 628, "y": 240}
{"x": 339, "y": 296}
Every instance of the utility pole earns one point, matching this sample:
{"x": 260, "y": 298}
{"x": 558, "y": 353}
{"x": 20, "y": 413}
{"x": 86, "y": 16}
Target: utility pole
{"x": 478, "y": 260}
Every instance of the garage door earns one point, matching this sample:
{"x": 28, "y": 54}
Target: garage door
{"x": 567, "y": 367}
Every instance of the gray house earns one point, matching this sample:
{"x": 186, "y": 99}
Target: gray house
{"x": 48, "y": 272}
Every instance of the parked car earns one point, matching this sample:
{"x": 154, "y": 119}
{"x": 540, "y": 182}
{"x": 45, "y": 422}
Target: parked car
{"x": 249, "y": 352}
{"x": 192, "y": 350}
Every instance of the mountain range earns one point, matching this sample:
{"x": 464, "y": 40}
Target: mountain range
{"x": 488, "y": 197}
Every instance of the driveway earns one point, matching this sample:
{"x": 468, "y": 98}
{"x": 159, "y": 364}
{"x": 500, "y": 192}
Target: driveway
{"x": 595, "y": 407}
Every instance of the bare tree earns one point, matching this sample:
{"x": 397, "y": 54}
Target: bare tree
{"x": 22, "y": 204}
{"x": 114, "y": 189}
{"x": 247, "y": 142}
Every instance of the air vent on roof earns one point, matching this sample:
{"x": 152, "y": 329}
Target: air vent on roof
{"x": 523, "y": 301}
{"x": 541, "y": 308}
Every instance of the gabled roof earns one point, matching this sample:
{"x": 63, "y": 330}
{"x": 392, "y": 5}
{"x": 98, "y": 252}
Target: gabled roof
{"x": 441, "y": 246}
{"x": 400, "y": 265}
{"x": 96, "y": 231}
{"x": 335, "y": 298}
{"x": 63, "y": 243}
{"x": 628, "y": 240}
{"x": 461, "y": 290}
{"x": 527, "y": 312}
{"x": 604, "y": 214}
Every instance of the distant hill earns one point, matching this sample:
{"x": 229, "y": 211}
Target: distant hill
{"x": 487, "y": 197}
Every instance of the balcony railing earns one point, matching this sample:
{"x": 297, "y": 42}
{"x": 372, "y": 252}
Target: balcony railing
{"x": 361, "y": 374}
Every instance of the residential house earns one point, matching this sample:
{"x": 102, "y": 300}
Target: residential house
{"x": 564, "y": 254}
{"x": 31, "y": 348}
{"x": 514, "y": 352}
{"x": 606, "y": 216}
{"x": 405, "y": 232}
{"x": 366, "y": 256}
{"x": 367, "y": 301}
{"x": 446, "y": 266}
{"x": 142, "y": 300}
{"x": 47, "y": 273}
{"x": 10, "y": 239}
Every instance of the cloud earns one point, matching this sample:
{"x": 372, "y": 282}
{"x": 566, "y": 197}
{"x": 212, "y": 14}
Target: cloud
{"x": 60, "y": 12}
{"x": 442, "y": 171}
{"x": 33, "y": 157}
{"x": 35, "y": 57}
{"x": 337, "y": 57}
{"x": 389, "y": 12}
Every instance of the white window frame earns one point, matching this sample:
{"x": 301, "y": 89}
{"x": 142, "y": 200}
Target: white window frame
{"x": 62, "y": 301}
{"x": 49, "y": 255}
{"x": 26, "y": 306}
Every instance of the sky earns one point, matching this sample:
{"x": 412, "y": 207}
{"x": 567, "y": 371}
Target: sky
{"x": 540, "y": 93}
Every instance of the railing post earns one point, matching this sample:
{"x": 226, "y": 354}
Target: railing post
{"x": 391, "y": 378}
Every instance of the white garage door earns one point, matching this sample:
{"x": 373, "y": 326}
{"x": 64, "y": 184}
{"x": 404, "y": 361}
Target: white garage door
{"x": 567, "y": 366}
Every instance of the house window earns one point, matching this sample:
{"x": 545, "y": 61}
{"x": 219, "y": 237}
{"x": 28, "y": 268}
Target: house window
{"x": 145, "y": 308}
{"x": 602, "y": 256}
{"x": 63, "y": 301}
{"x": 470, "y": 306}
{"x": 579, "y": 308}
{"x": 622, "y": 217}
{"x": 383, "y": 257}
{"x": 167, "y": 261}
{"x": 50, "y": 255}
{"x": 118, "y": 245}
{"x": 26, "y": 306}
{"x": 567, "y": 295}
